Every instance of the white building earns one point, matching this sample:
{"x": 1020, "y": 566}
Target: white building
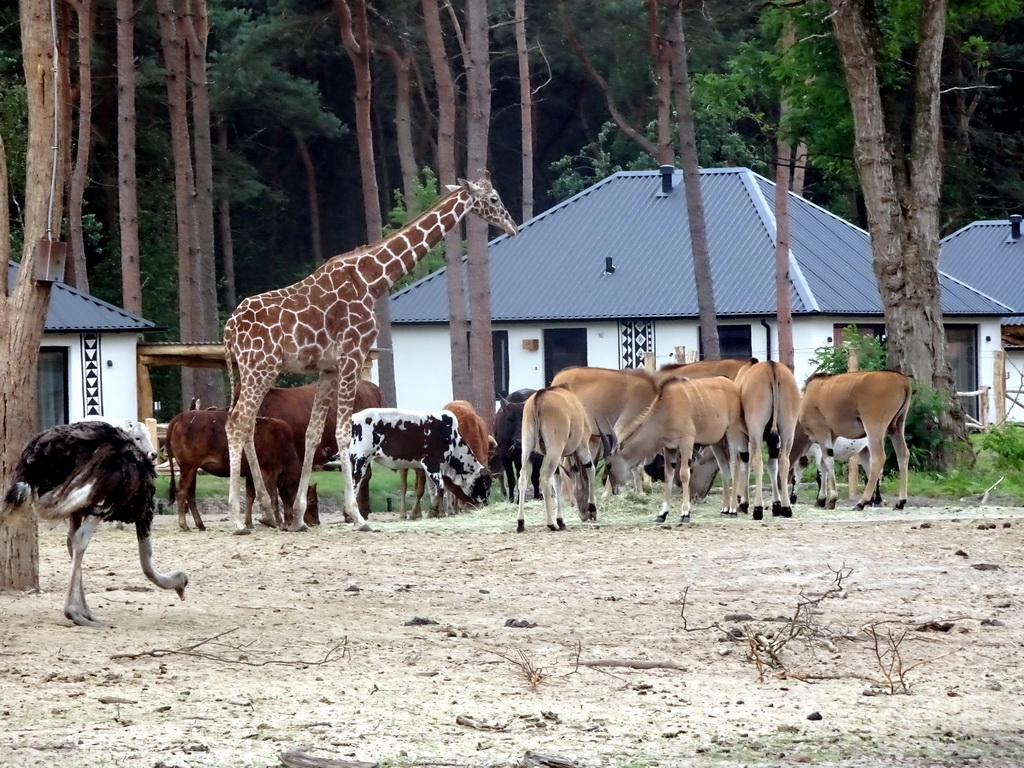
{"x": 607, "y": 276}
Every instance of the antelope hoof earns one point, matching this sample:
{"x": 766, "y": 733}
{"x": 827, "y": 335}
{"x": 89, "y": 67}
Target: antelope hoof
{"x": 819, "y": 503}
{"x": 242, "y": 531}
{"x": 683, "y": 519}
{"x": 744, "y": 507}
{"x": 786, "y": 512}
{"x": 184, "y": 527}
{"x": 878, "y": 503}
{"x": 561, "y": 524}
{"x": 859, "y": 506}
{"x": 900, "y": 504}
{"x": 661, "y": 518}
{"x": 201, "y": 526}
{"x": 792, "y": 498}
{"x": 270, "y": 522}
{"x": 758, "y": 513}
{"x": 552, "y": 527}
{"x": 521, "y": 526}
{"x": 363, "y": 527}
{"x": 776, "y": 509}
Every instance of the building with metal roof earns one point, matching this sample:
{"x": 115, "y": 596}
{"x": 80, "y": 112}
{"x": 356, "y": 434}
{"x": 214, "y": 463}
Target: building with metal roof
{"x": 607, "y": 276}
{"x": 87, "y": 358}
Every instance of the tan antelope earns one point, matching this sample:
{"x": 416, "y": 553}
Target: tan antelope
{"x": 686, "y": 413}
{"x": 556, "y": 425}
{"x": 867, "y": 404}
{"x": 771, "y": 406}
{"x": 703, "y": 369}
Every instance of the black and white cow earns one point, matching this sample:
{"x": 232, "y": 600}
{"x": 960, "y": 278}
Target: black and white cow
{"x": 400, "y": 439}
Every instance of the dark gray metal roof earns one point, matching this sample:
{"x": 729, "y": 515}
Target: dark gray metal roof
{"x": 985, "y": 254}
{"x": 72, "y": 311}
{"x": 554, "y": 268}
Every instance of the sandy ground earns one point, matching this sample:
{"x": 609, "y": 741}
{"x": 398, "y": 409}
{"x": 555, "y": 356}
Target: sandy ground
{"x": 315, "y": 641}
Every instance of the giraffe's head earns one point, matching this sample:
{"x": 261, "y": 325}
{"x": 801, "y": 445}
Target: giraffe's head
{"x": 487, "y": 204}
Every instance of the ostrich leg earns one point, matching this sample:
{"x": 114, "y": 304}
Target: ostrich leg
{"x": 79, "y": 535}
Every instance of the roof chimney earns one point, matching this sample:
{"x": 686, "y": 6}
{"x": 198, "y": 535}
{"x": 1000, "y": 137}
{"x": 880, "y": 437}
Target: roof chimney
{"x": 666, "y": 178}
{"x": 609, "y": 268}
{"x": 1015, "y": 226}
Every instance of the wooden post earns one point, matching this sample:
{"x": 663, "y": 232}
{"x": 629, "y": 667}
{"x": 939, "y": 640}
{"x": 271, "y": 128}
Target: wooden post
{"x": 999, "y": 387}
{"x": 151, "y": 426}
{"x": 145, "y": 393}
{"x": 680, "y": 355}
{"x": 650, "y": 361}
{"x": 983, "y": 407}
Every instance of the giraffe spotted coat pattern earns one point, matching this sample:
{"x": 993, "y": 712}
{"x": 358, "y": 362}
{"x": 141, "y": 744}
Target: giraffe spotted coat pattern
{"x": 325, "y": 323}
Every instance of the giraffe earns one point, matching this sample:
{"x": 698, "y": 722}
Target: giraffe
{"x": 325, "y": 324}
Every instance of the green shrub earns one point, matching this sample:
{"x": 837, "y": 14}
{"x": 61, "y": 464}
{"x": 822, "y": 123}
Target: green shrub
{"x": 871, "y": 354}
{"x": 923, "y": 433}
{"x": 1006, "y": 445}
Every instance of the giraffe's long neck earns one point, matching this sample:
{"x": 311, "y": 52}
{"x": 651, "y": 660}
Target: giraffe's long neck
{"x": 392, "y": 258}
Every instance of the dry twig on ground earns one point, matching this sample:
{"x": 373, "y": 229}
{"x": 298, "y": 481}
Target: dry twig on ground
{"x": 239, "y": 651}
{"x": 525, "y": 668}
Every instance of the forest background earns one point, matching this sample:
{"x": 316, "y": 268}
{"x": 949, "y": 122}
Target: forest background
{"x": 252, "y": 122}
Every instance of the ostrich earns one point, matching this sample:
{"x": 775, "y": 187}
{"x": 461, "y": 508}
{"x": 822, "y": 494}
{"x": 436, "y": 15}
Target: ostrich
{"x": 84, "y": 473}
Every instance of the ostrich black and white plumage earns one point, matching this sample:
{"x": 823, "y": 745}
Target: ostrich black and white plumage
{"x": 85, "y": 473}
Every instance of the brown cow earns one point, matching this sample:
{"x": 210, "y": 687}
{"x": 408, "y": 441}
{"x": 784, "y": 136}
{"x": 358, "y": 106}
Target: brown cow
{"x": 686, "y": 413}
{"x": 771, "y": 406}
{"x": 197, "y": 440}
{"x": 859, "y": 404}
{"x": 557, "y": 426}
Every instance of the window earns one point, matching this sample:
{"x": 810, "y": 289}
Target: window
{"x": 499, "y": 345}
{"x": 733, "y": 342}
{"x": 52, "y": 402}
{"x": 864, "y": 329}
{"x": 962, "y": 351}
{"x": 563, "y": 348}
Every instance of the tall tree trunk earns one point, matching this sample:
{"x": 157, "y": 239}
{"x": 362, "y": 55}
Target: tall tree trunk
{"x": 661, "y": 58}
{"x": 478, "y": 113}
{"x": 783, "y": 310}
{"x": 458, "y": 325}
{"x": 691, "y": 182}
{"x": 75, "y": 268}
{"x": 173, "y": 46}
{"x": 23, "y": 311}
{"x": 401, "y": 65}
{"x": 127, "y": 192}
{"x": 355, "y": 34}
{"x": 313, "y": 196}
{"x": 525, "y": 107}
{"x": 227, "y": 240}
{"x": 209, "y": 383}
{"x": 901, "y": 195}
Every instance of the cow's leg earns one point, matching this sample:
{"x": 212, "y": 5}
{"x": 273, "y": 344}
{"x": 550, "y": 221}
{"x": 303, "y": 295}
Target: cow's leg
{"x": 437, "y": 481}
{"x": 670, "y": 455}
{"x": 181, "y": 495}
{"x": 830, "y": 489}
{"x": 512, "y": 470}
{"x": 421, "y": 488}
{"x": 80, "y": 531}
{"x": 403, "y": 488}
{"x": 585, "y": 456}
{"x": 193, "y": 506}
{"x": 876, "y": 448}
{"x": 250, "y": 500}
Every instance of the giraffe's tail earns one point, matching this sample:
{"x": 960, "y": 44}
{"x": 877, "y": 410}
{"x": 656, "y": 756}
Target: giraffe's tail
{"x": 229, "y": 362}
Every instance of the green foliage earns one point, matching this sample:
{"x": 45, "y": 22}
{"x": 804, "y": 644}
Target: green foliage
{"x": 610, "y": 153}
{"x": 871, "y": 354}
{"x": 1006, "y": 445}
{"x": 427, "y": 193}
{"x": 923, "y": 433}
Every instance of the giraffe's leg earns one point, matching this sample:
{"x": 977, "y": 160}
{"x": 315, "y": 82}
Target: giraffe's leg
{"x": 314, "y": 432}
{"x": 348, "y": 378}
{"x": 240, "y": 426}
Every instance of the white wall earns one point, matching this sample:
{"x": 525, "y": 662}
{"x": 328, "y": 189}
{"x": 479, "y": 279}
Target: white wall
{"x": 115, "y": 368}
{"x": 423, "y": 360}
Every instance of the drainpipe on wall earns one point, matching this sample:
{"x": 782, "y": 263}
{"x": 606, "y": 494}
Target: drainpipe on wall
{"x": 767, "y": 337}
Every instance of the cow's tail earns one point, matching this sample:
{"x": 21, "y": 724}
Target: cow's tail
{"x": 172, "y": 488}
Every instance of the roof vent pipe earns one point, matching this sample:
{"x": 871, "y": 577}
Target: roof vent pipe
{"x": 666, "y": 178}
{"x": 609, "y": 268}
{"x": 1015, "y": 226}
